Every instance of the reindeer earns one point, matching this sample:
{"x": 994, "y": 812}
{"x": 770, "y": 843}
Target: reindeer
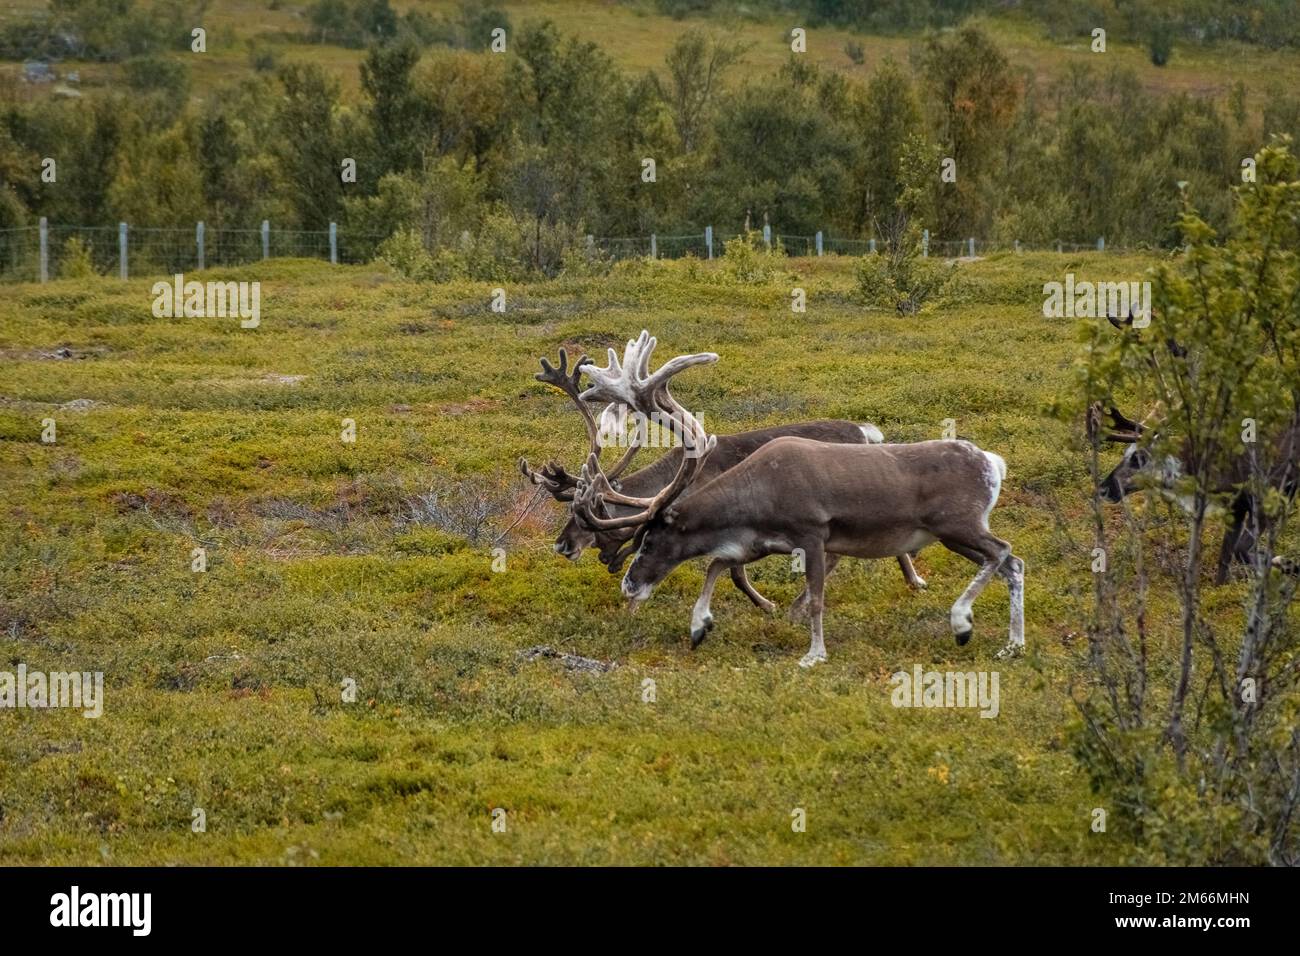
{"x": 827, "y": 500}
{"x": 615, "y": 544}
{"x": 1138, "y": 469}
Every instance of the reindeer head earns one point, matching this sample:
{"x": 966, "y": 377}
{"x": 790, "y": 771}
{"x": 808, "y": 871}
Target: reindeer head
{"x": 632, "y": 384}
{"x": 1137, "y": 467}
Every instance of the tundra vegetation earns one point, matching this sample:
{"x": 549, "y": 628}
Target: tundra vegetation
{"x": 373, "y": 561}
{"x": 183, "y": 513}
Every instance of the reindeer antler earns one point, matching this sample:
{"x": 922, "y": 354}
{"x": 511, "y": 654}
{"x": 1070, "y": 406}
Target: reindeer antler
{"x": 552, "y": 477}
{"x": 1126, "y": 430}
{"x": 632, "y": 384}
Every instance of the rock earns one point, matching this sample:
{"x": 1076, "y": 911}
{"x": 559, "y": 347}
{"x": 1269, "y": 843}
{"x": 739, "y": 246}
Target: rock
{"x": 571, "y": 661}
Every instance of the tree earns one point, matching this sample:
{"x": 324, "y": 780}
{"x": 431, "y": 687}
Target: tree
{"x": 397, "y": 115}
{"x": 1201, "y": 760}
{"x": 696, "y": 65}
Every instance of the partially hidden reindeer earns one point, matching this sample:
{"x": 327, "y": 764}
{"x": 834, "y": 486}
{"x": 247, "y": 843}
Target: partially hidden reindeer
{"x": 1138, "y": 469}
{"x": 615, "y": 544}
{"x": 827, "y": 500}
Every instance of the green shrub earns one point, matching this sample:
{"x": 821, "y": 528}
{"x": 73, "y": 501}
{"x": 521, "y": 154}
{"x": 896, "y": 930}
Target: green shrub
{"x": 901, "y": 278}
{"x": 76, "y": 262}
{"x": 747, "y": 259}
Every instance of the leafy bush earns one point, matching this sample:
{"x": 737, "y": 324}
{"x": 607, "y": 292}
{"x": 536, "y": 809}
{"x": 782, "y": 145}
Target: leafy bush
{"x": 746, "y": 259}
{"x": 901, "y": 278}
{"x": 405, "y": 254}
{"x": 75, "y": 263}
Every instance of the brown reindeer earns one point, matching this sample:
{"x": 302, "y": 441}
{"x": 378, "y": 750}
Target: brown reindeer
{"x": 795, "y": 494}
{"x": 615, "y": 545}
{"x": 1138, "y": 469}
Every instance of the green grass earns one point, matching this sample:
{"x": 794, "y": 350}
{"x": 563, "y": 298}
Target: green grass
{"x": 223, "y": 687}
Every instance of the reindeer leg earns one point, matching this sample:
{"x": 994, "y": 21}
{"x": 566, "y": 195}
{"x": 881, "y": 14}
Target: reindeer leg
{"x": 988, "y": 552}
{"x": 741, "y": 580}
{"x": 1013, "y": 569}
{"x": 1231, "y": 538}
{"x": 701, "y": 616}
{"x": 914, "y": 580}
{"x": 800, "y": 606}
{"x": 816, "y": 588}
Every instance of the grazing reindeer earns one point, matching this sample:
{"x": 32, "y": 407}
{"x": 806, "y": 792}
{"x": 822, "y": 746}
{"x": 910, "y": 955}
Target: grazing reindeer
{"x": 1137, "y": 469}
{"x": 615, "y": 544}
{"x": 866, "y": 501}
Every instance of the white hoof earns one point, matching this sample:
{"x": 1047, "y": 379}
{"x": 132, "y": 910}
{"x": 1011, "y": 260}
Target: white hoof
{"x": 812, "y": 660}
{"x": 920, "y": 585}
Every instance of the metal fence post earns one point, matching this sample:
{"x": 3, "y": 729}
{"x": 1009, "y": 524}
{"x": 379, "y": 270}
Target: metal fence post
{"x": 198, "y": 240}
{"x": 819, "y": 242}
{"x": 266, "y": 238}
{"x": 1058, "y": 246}
{"x": 708, "y": 239}
{"x": 1101, "y": 243}
{"x": 45, "y": 250}
{"x": 972, "y": 247}
{"x": 767, "y": 236}
{"x": 925, "y": 243}
{"x": 654, "y": 247}
{"x": 334, "y": 243}
{"x": 1017, "y": 245}
{"x": 121, "y": 250}
{"x": 871, "y": 245}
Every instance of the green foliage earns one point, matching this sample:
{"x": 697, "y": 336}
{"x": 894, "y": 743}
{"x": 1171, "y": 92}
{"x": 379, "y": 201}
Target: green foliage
{"x": 1223, "y": 347}
{"x": 747, "y": 259}
{"x": 901, "y": 278}
{"x": 75, "y": 261}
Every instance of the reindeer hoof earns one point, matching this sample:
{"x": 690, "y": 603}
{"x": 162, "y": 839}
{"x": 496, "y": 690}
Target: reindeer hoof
{"x": 700, "y": 633}
{"x": 812, "y": 660}
{"x": 919, "y": 584}
{"x": 963, "y": 638}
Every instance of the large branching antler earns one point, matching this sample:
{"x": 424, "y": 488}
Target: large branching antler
{"x": 553, "y": 477}
{"x": 632, "y": 384}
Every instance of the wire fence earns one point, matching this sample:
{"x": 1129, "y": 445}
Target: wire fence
{"x": 45, "y": 251}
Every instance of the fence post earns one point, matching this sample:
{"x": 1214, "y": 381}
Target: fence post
{"x": 767, "y": 236}
{"x": 121, "y": 250}
{"x": 972, "y": 247}
{"x": 198, "y": 239}
{"x": 1017, "y": 244}
{"x": 871, "y": 245}
{"x": 334, "y": 243}
{"x": 1101, "y": 243}
{"x": 266, "y": 238}
{"x": 708, "y": 239}
{"x": 1058, "y": 246}
{"x": 45, "y": 250}
{"x": 819, "y": 242}
{"x": 925, "y": 243}
{"x": 654, "y": 247}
